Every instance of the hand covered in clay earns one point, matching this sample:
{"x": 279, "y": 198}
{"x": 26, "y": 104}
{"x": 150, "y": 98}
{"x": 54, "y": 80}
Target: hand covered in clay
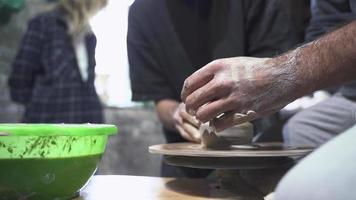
{"x": 186, "y": 124}
{"x": 235, "y": 90}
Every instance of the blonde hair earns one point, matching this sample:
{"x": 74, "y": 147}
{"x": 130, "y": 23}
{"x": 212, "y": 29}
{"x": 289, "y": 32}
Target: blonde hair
{"x": 79, "y": 12}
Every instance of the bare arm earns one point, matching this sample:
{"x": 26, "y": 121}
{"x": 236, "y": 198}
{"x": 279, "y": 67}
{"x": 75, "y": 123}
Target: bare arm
{"x": 329, "y": 61}
{"x": 234, "y": 90}
{"x": 27, "y": 64}
{"x": 165, "y": 110}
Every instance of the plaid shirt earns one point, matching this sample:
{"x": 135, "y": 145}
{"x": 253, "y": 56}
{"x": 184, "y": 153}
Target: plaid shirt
{"x": 45, "y": 76}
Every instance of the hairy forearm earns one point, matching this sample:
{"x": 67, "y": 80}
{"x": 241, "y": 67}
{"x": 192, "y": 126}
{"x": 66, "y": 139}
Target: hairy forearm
{"x": 328, "y": 61}
{"x": 165, "y": 110}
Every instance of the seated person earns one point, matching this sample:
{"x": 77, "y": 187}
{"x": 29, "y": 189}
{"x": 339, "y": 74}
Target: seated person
{"x": 170, "y": 39}
{"x": 54, "y": 70}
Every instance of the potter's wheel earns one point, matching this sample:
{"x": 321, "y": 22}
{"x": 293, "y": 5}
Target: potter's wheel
{"x": 257, "y": 155}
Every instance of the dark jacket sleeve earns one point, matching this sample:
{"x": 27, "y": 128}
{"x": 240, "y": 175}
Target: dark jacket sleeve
{"x": 268, "y": 28}
{"x": 27, "y": 63}
{"x": 148, "y": 81}
{"x": 328, "y": 15}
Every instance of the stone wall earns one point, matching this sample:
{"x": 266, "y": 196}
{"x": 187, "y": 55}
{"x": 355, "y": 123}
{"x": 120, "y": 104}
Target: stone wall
{"x": 139, "y": 127}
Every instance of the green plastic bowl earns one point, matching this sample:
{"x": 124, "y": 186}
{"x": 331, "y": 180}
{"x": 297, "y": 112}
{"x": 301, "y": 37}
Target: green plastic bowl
{"x": 49, "y": 161}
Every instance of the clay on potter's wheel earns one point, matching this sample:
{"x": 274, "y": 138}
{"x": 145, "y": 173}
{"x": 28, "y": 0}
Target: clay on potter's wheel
{"x": 236, "y": 135}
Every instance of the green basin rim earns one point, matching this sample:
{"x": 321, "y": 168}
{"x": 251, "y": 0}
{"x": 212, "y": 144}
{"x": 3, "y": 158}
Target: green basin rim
{"x": 57, "y": 129}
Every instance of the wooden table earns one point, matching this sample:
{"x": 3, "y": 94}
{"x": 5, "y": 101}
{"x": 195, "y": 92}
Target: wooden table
{"x": 147, "y": 188}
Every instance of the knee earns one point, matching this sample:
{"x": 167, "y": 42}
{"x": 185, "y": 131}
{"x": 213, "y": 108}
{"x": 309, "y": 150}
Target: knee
{"x": 289, "y": 189}
{"x": 299, "y": 183}
{"x": 316, "y": 177}
{"x": 292, "y": 131}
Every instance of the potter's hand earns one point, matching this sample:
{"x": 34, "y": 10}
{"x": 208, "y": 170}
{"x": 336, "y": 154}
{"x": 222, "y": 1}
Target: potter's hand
{"x": 235, "y": 90}
{"x": 186, "y": 124}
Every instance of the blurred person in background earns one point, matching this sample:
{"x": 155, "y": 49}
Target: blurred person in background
{"x": 53, "y": 72}
{"x": 170, "y": 39}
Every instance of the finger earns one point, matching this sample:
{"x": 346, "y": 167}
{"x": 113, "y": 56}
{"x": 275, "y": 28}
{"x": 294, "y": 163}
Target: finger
{"x": 177, "y": 118}
{"x": 192, "y": 131}
{"x": 207, "y": 93}
{"x": 232, "y": 119}
{"x": 189, "y": 118}
{"x": 214, "y": 109}
{"x": 199, "y": 78}
{"x": 185, "y": 134}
